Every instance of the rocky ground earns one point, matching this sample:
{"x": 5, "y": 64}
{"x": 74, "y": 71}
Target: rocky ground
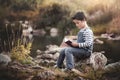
{"x": 42, "y": 68}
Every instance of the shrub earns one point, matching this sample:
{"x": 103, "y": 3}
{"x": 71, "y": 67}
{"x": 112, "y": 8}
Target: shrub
{"x": 51, "y": 15}
{"x": 99, "y": 29}
{"x": 21, "y": 53}
{"x": 100, "y": 15}
{"x": 11, "y": 40}
{"x": 114, "y": 26}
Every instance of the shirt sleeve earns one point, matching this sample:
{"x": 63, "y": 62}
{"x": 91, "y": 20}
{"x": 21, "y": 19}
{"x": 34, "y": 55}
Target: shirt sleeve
{"x": 88, "y": 39}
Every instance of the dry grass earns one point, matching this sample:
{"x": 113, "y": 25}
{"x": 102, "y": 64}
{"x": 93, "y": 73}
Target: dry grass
{"x": 104, "y": 12}
{"x": 28, "y": 14}
{"x": 114, "y": 26}
{"x": 99, "y": 29}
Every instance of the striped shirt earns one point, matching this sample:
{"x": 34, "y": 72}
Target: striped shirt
{"x": 85, "y": 39}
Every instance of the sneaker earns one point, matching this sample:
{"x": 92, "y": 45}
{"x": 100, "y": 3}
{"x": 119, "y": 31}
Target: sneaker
{"x": 55, "y": 66}
{"x": 66, "y": 70}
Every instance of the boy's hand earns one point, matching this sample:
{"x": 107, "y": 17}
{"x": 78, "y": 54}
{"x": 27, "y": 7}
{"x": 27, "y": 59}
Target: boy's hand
{"x": 75, "y": 44}
{"x": 64, "y": 45}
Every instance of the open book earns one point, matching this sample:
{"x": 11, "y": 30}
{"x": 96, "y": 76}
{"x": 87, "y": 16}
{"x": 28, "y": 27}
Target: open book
{"x": 67, "y": 41}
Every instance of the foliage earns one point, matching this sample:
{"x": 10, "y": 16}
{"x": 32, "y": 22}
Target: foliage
{"x": 99, "y": 29}
{"x": 5, "y": 2}
{"x": 104, "y": 17}
{"x": 11, "y": 40}
{"x": 100, "y": 14}
{"x": 52, "y": 14}
{"x": 116, "y": 23}
{"x": 9, "y": 35}
{"x": 57, "y": 13}
{"x": 21, "y": 53}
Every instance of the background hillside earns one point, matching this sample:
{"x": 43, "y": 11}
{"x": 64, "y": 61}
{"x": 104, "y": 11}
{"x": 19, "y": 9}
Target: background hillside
{"x": 103, "y": 16}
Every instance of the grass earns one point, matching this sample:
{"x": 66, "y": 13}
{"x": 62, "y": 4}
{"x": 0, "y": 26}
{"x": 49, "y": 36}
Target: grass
{"x": 12, "y": 41}
{"x": 99, "y": 29}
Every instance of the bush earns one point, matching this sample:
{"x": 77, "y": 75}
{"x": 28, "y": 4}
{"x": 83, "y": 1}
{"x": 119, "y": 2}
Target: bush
{"x": 99, "y": 29}
{"x": 11, "y": 40}
{"x": 51, "y": 15}
{"x": 114, "y": 26}
{"x": 21, "y": 53}
{"x": 100, "y": 15}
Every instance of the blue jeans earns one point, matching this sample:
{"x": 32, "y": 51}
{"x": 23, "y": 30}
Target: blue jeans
{"x": 70, "y": 53}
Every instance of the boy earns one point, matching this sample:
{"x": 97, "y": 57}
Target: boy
{"x": 80, "y": 49}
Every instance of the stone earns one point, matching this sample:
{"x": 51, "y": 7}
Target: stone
{"x": 98, "y": 60}
{"x": 52, "y": 62}
{"x": 98, "y": 41}
{"x": 38, "y": 57}
{"x": 45, "y": 62}
{"x": 113, "y": 67}
{"x": 51, "y": 47}
{"x": 55, "y": 56}
{"x": 4, "y": 59}
{"x": 39, "y": 51}
{"x": 50, "y": 51}
{"x": 45, "y": 75}
{"x": 47, "y": 56}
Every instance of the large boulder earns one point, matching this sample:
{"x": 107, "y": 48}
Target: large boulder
{"x": 113, "y": 67}
{"x": 98, "y": 60}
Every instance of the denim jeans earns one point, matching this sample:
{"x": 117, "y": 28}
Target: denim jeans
{"x": 70, "y": 53}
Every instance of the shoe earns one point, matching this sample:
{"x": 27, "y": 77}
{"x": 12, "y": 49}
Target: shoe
{"x": 55, "y": 66}
{"x": 66, "y": 70}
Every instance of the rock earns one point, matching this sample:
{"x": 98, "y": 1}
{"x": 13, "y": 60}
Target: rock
{"x": 38, "y": 60}
{"x": 113, "y": 67}
{"x": 55, "y": 56}
{"x": 50, "y": 47}
{"x": 46, "y": 56}
{"x": 54, "y": 30}
{"x": 97, "y": 41}
{"x": 50, "y": 51}
{"x": 45, "y": 75}
{"x": 98, "y": 60}
{"x": 112, "y": 71}
{"x": 38, "y": 57}
{"x": 111, "y": 36}
{"x": 38, "y": 67}
{"x": 4, "y": 59}
{"x": 39, "y": 51}
{"x": 115, "y": 38}
{"x": 52, "y": 62}
{"x": 79, "y": 78}
{"x": 45, "y": 62}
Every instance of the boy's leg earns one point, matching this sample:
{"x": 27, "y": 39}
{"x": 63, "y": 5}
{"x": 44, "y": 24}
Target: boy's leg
{"x": 61, "y": 58}
{"x": 70, "y": 52}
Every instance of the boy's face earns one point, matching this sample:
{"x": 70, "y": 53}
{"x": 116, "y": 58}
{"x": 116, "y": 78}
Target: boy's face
{"x": 79, "y": 23}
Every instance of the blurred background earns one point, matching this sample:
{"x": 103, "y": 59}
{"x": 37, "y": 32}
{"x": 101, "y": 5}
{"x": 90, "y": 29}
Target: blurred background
{"x": 45, "y": 22}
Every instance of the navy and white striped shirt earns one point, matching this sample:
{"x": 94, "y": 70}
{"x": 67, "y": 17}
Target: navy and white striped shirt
{"x": 85, "y": 39}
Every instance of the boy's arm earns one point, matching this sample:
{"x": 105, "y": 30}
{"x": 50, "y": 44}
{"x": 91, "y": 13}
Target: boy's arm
{"x": 75, "y": 44}
{"x": 88, "y": 37}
